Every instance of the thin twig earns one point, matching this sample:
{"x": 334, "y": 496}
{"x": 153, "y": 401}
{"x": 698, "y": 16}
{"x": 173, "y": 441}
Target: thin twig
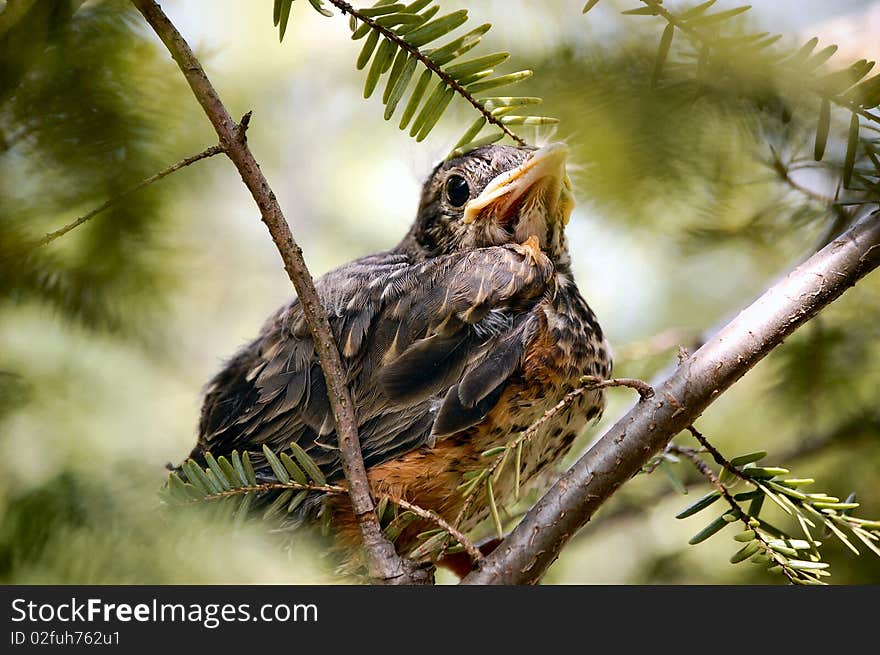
{"x": 716, "y": 455}
{"x": 51, "y": 236}
{"x": 592, "y": 382}
{"x": 447, "y": 79}
{"x": 383, "y": 561}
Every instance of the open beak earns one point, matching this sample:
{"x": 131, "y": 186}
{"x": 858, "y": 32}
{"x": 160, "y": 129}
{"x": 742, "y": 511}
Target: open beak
{"x": 537, "y": 189}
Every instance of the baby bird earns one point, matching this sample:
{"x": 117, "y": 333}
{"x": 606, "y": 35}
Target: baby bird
{"x": 454, "y": 341}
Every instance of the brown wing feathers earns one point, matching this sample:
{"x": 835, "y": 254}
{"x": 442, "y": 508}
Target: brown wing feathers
{"x": 409, "y": 332}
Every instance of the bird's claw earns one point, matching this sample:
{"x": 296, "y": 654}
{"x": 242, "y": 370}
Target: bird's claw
{"x": 531, "y": 248}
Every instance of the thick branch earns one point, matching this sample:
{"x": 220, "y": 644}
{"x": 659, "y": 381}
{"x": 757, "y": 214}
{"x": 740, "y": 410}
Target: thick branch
{"x": 383, "y": 560}
{"x": 535, "y": 543}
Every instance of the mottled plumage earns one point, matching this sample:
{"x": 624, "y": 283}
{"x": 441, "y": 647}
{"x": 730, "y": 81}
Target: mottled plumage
{"x": 455, "y": 340}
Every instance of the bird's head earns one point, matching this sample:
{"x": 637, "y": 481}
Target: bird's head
{"x": 492, "y": 196}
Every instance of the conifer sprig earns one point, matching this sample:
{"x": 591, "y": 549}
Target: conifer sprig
{"x": 234, "y": 483}
{"x": 397, "y": 37}
{"x": 798, "y": 558}
{"x": 849, "y": 89}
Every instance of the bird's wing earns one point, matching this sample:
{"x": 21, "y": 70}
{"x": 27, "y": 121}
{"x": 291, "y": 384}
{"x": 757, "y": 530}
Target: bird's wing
{"x": 408, "y": 332}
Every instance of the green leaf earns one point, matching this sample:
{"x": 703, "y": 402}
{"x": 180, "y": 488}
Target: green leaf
{"x": 482, "y": 141}
{"x": 867, "y": 94}
{"x": 239, "y": 468}
{"x": 865, "y": 538}
{"x": 218, "y": 472}
{"x": 477, "y": 64}
{"x": 700, "y": 505}
{"x": 820, "y": 58}
{"x": 428, "y": 108}
{"x": 750, "y": 458}
{"x": 415, "y": 98}
{"x": 183, "y": 490}
{"x": 793, "y": 493}
{"x": 708, "y": 19}
{"x": 295, "y": 471}
{"x": 278, "y": 504}
{"x": 228, "y": 471}
{"x": 282, "y": 15}
{"x": 367, "y": 50}
{"x": 801, "y": 565}
{"x": 764, "y": 471}
{"x": 852, "y": 146}
{"x": 673, "y": 478}
{"x": 277, "y": 467}
{"x": 517, "y": 463}
{"x": 699, "y": 10}
{"x": 796, "y": 482}
{"x": 756, "y": 505}
{"x": 319, "y": 7}
{"x": 381, "y": 506}
{"x": 417, "y": 6}
{"x": 509, "y": 101}
{"x": 837, "y": 506}
{"x": 400, "y": 86}
{"x": 396, "y": 72}
{"x": 409, "y": 21}
{"x": 708, "y": 531}
{"x": 641, "y": 11}
{"x": 242, "y": 512}
{"x": 536, "y": 120}
{"x": 297, "y": 500}
{"x": 216, "y": 485}
{"x": 747, "y": 535}
{"x": 435, "y": 115}
{"x": 839, "y": 81}
{"x": 804, "y": 53}
{"x": 662, "y": 53}
{"x": 503, "y": 80}
{"x": 493, "y": 508}
{"x": 589, "y": 5}
{"x": 381, "y": 10}
{"x": 197, "y": 477}
{"x": 436, "y": 28}
{"x": 472, "y": 131}
{"x": 381, "y": 63}
{"x": 745, "y": 552}
{"x": 249, "y": 468}
{"x": 308, "y": 464}
{"x": 840, "y": 535}
{"x": 459, "y": 46}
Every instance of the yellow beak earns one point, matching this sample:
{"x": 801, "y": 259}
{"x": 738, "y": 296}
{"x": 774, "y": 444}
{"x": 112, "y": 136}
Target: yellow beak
{"x": 543, "y": 172}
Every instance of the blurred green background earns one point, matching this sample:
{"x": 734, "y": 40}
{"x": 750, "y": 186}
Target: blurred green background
{"x": 108, "y": 334}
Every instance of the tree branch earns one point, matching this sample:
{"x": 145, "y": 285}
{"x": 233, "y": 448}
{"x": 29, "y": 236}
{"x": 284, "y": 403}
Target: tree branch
{"x": 528, "y": 551}
{"x": 383, "y": 561}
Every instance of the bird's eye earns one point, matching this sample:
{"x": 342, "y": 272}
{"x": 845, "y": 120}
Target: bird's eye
{"x": 457, "y": 190}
